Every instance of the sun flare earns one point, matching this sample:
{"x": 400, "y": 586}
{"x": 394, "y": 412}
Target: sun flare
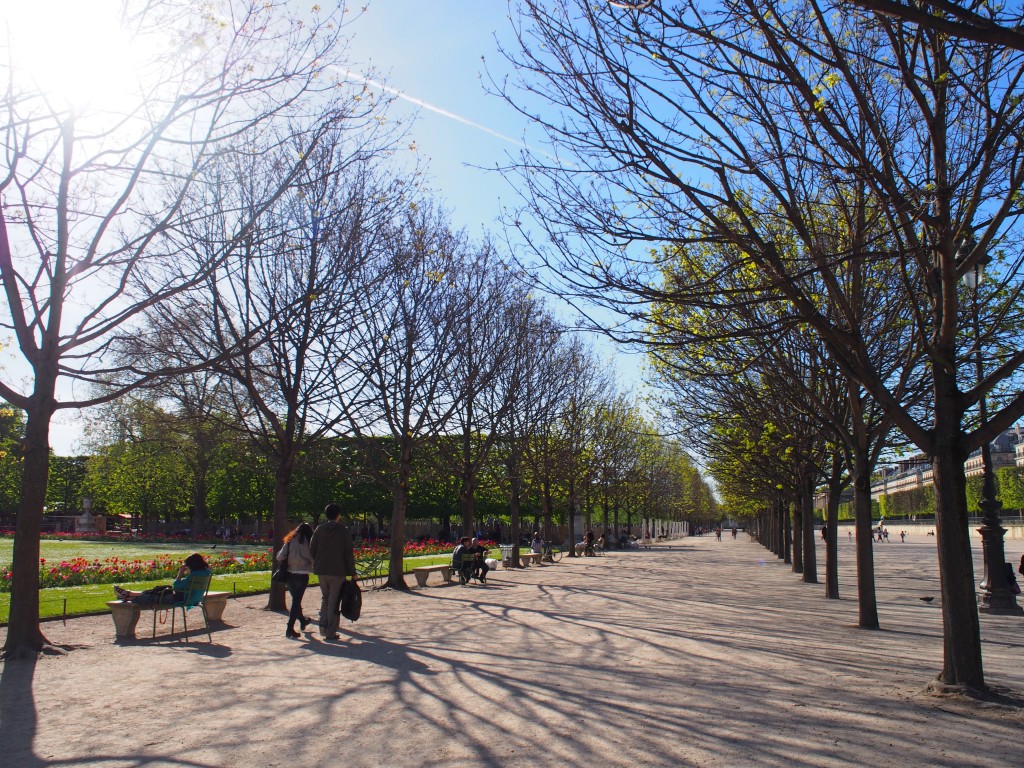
{"x": 78, "y": 52}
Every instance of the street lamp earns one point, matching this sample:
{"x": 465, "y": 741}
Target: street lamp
{"x": 998, "y": 597}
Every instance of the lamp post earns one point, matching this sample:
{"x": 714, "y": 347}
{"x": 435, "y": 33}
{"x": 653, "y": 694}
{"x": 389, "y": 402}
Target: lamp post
{"x": 998, "y": 597}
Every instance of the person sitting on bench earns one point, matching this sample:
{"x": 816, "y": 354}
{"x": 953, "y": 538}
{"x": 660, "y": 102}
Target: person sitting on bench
{"x": 194, "y": 565}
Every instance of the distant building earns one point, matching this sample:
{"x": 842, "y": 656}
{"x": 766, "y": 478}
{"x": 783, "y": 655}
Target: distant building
{"x": 916, "y": 471}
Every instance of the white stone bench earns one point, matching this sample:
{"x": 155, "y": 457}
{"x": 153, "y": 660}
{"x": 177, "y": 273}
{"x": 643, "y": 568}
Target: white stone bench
{"x": 126, "y": 615}
{"x": 527, "y": 558}
{"x": 422, "y": 573}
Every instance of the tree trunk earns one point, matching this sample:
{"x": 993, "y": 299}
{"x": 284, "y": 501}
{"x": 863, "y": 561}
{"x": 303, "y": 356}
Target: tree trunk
{"x": 806, "y": 499}
{"x": 835, "y": 489}
{"x": 779, "y": 521}
{"x": 867, "y": 604}
{"x": 467, "y": 490}
{"x": 545, "y": 502}
{"x": 282, "y": 482}
{"x": 396, "y": 563}
{"x": 199, "y": 511}
{"x": 514, "y": 500}
{"x": 467, "y": 503}
{"x": 795, "y": 510}
{"x": 787, "y": 532}
{"x": 24, "y": 637}
{"x": 961, "y": 657}
{"x": 571, "y": 522}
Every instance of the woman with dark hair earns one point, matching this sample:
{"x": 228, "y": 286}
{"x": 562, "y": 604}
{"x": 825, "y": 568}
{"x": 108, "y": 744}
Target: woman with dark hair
{"x": 300, "y": 565}
{"x": 194, "y": 565}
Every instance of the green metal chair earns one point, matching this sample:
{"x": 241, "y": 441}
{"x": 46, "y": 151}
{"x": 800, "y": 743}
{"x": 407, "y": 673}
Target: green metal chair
{"x": 194, "y": 596}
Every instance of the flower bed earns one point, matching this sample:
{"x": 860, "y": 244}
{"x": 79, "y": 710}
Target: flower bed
{"x": 78, "y": 571}
{"x": 382, "y": 548}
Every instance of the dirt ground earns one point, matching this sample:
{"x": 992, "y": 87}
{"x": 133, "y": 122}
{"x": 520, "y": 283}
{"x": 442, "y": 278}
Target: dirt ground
{"x": 701, "y": 653}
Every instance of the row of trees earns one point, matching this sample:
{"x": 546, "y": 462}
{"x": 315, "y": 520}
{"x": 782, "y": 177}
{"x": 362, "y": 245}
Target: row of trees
{"x": 780, "y": 201}
{"x": 241, "y": 256}
{"x": 145, "y": 464}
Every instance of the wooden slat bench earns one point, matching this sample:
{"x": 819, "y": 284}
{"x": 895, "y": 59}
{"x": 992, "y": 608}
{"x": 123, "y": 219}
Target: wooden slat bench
{"x": 126, "y": 615}
{"x": 422, "y": 573}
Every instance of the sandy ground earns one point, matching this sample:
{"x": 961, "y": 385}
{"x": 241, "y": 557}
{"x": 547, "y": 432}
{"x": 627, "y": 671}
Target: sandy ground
{"x": 704, "y": 653}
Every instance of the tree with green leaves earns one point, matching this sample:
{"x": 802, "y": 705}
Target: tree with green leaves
{"x": 731, "y": 125}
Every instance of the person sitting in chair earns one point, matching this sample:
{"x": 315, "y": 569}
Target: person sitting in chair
{"x": 193, "y": 567}
{"x": 462, "y": 560}
{"x": 479, "y": 567}
{"x": 537, "y": 545}
{"x": 588, "y": 544}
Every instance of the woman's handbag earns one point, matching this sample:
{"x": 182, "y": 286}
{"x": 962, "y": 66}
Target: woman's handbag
{"x": 281, "y": 573}
{"x": 351, "y": 600}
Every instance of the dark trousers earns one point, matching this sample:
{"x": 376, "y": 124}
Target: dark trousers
{"x": 297, "y": 583}
{"x": 330, "y": 600}
{"x": 480, "y": 569}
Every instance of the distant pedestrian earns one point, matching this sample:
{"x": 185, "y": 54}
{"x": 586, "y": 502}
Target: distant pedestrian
{"x": 333, "y": 563}
{"x": 824, "y": 533}
{"x": 849, "y": 535}
{"x": 903, "y": 537}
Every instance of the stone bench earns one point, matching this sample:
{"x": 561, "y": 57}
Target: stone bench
{"x": 527, "y": 558}
{"x": 126, "y": 615}
{"x": 422, "y": 573}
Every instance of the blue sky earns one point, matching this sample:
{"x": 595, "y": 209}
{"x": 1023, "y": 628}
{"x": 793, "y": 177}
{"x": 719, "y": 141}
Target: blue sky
{"x": 431, "y": 53}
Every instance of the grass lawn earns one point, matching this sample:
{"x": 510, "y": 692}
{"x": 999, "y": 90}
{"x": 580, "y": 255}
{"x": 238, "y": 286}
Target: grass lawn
{"x": 53, "y": 549}
{"x": 92, "y": 598}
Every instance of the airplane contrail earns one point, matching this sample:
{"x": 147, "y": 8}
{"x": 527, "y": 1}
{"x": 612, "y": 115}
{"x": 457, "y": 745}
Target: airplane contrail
{"x": 437, "y": 110}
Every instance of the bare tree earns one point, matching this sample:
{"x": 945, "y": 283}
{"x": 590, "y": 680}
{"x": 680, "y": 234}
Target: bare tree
{"x": 405, "y": 343}
{"x": 982, "y": 22}
{"x": 91, "y": 201}
{"x": 536, "y": 389}
{"x": 488, "y": 342}
{"x": 590, "y": 384}
{"x": 281, "y": 309}
{"x": 731, "y": 126}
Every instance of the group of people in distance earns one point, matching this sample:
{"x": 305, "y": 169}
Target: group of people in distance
{"x": 469, "y": 560}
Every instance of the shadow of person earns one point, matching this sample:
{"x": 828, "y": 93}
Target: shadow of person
{"x": 18, "y": 717}
{"x": 371, "y": 649}
{"x": 214, "y": 651}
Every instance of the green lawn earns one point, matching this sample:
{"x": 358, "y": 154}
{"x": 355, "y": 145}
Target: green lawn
{"x": 77, "y": 601}
{"x": 52, "y": 549}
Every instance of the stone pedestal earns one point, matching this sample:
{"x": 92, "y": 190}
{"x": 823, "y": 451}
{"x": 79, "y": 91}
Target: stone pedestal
{"x": 126, "y": 617}
{"x": 215, "y": 603}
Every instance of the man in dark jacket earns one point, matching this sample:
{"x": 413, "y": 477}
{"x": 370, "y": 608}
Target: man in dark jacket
{"x": 480, "y": 568}
{"x": 333, "y": 563}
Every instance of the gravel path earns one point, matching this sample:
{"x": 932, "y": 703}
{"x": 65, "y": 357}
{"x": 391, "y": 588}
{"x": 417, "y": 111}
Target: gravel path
{"x": 702, "y": 653}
